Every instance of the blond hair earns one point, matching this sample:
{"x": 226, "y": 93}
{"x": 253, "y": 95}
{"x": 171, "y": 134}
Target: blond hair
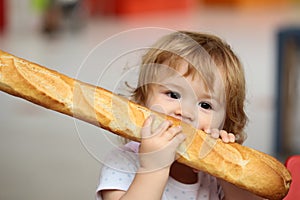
{"x": 205, "y": 53}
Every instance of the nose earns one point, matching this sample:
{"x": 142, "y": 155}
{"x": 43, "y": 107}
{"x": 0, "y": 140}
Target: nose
{"x": 185, "y": 113}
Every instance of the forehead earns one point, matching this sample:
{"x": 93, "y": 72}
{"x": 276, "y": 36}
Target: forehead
{"x": 195, "y": 64}
{"x": 181, "y": 75}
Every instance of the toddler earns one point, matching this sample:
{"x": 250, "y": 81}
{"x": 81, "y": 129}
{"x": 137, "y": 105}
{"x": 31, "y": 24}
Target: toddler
{"x": 198, "y": 79}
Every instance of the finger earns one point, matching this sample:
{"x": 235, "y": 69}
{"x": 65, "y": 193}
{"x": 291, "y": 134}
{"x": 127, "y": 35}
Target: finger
{"x": 231, "y": 137}
{"x": 178, "y": 139}
{"x": 215, "y": 133}
{"x": 224, "y": 136}
{"x": 208, "y": 131}
{"x": 172, "y": 132}
{"x": 162, "y": 127}
{"x": 146, "y": 129}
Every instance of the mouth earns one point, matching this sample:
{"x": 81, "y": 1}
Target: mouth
{"x": 186, "y": 120}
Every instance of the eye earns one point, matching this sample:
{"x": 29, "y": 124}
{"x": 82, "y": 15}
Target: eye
{"x": 173, "y": 95}
{"x": 205, "y": 105}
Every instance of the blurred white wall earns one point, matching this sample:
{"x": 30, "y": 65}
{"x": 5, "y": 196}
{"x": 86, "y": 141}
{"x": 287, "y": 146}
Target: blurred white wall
{"x": 46, "y": 155}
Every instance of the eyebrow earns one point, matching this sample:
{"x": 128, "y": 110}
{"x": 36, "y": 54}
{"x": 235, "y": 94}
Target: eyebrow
{"x": 219, "y": 99}
{"x": 207, "y": 95}
{"x": 165, "y": 84}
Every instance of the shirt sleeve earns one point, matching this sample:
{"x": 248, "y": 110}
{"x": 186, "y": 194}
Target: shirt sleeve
{"x": 118, "y": 169}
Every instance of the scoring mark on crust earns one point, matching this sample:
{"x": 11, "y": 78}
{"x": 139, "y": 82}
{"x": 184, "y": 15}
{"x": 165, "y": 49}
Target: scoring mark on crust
{"x": 207, "y": 146}
{"x": 3, "y": 64}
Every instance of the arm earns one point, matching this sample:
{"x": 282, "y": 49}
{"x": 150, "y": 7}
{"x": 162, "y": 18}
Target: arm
{"x": 156, "y": 154}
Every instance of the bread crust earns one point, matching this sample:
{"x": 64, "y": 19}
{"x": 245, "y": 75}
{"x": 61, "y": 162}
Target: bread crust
{"x": 247, "y": 168}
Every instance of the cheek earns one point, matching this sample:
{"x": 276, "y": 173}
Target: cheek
{"x": 218, "y": 120}
{"x": 207, "y": 121}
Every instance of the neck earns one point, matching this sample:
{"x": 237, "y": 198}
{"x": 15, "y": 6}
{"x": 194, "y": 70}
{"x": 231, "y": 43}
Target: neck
{"x": 183, "y": 173}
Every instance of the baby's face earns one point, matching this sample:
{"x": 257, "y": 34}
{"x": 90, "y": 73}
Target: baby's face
{"x": 187, "y": 99}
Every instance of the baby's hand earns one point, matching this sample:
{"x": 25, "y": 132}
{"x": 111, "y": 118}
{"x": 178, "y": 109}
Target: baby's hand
{"x": 226, "y": 137}
{"x": 158, "y": 147}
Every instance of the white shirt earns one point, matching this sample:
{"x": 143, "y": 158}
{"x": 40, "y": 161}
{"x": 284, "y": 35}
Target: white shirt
{"x": 120, "y": 167}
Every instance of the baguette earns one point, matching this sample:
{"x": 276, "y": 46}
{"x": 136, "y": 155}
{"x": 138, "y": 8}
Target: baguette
{"x": 244, "y": 167}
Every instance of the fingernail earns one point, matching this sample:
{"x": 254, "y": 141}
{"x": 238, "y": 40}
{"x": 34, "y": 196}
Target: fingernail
{"x": 207, "y": 131}
{"x": 215, "y": 133}
{"x": 232, "y": 140}
{"x": 149, "y": 120}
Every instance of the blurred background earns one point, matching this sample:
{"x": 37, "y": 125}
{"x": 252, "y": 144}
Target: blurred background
{"x": 46, "y": 155}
